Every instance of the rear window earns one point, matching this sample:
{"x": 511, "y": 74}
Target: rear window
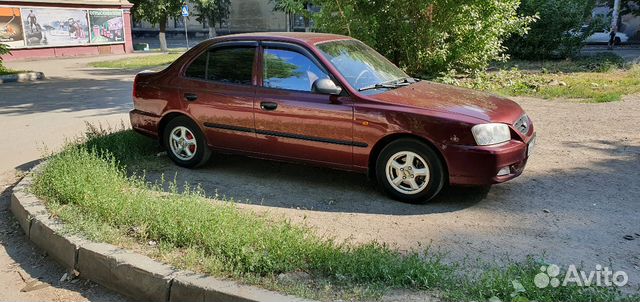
{"x": 227, "y": 65}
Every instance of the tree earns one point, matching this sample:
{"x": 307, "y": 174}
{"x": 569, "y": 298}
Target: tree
{"x": 557, "y": 32}
{"x": 4, "y": 49}
{"x": 157, "y": 12}
{"x": 291, "y": 8}
{"x": 626, "y": 6}
{"x": 212, "y": 11}
{"x": 427, "y": 37}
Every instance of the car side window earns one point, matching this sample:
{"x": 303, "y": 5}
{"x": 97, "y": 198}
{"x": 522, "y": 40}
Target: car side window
{"x": 228, "y": 65}
{"x": 286, "y": 69}
{"x": 198, "y": 68}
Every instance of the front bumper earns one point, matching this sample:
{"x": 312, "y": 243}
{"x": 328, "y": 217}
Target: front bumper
{"x": 480, "y": 165}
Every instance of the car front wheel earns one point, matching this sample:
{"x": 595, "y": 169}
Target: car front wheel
{"x": 185, "y": 143}
{"x": 410, "y": 171}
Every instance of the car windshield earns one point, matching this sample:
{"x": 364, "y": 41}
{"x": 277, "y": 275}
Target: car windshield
{"x": 364, "y": 68}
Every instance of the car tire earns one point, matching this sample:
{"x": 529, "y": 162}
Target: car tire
{"x": 186, "y": 145}
{"x": 417, "y": 181}
{"x": 618, "y": 41}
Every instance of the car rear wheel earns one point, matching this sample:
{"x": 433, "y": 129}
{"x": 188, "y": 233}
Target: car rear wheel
{"x": 185, "y": 143}
{"x": 410, "y": 171}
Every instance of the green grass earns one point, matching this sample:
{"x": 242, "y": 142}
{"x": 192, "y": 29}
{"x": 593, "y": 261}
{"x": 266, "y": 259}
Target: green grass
{"x": 88, "y": 188}
{"x": 5, "y": 71}
{"x": 602, "y": 78}
{"x": 139, "y": 62}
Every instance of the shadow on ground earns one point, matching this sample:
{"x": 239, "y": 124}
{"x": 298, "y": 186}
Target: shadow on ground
{"x": 285, "y": 185}
{"x": 66, "y": 95}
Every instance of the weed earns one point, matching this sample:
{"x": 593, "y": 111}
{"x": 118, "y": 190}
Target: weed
{"x": 88, "y": 188}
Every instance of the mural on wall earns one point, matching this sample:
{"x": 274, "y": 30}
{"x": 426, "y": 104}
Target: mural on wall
{"x": 11, "y": 27}
{"x": 55, "y": 26}
{"x": 107, "y": 26}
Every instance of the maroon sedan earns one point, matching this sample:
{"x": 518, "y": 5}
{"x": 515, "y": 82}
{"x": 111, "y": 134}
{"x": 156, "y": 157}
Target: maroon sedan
{"x": 331, "y": 101}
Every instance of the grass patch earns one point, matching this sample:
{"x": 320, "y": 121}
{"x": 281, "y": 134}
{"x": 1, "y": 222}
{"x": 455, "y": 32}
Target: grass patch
{"x": 5, "y": 71}
{"x": 87, "y": 187}
{"x": 139, "y": 62}
{"x": 600, "y": 62}
{"x": 598, "y": 79}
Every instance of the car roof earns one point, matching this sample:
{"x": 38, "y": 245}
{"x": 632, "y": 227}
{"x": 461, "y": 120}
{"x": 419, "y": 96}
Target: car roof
{"x": 300, "y": 37}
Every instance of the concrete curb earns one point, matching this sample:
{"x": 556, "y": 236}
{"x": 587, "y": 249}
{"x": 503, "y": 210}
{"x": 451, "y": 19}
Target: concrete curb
{"x": 128, "y": 273}
{"x": 21, "y": 77}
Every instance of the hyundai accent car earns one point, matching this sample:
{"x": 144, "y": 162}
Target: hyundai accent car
{"x": 330, "y": 100}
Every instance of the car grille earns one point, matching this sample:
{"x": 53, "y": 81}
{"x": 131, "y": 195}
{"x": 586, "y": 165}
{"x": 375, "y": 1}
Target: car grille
{"x": 522, "y": 124}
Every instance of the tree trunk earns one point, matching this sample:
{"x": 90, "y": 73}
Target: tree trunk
{"x": 288, "y": 22}
{"x": 162, "y": 36}
{"x": 615, "y": 15}
{"x": 212, "y": 28}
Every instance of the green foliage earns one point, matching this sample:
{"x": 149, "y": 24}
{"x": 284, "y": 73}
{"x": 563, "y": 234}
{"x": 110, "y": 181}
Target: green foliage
{"x": 87, "y": 187}
{"x": 290, "y": 6}
{"x": 428, "y": 37}
{"x": 276, "y": 67}
{"x": 557, "y": 33}
{"x": 156, "y": 11}
{"x": 627, "y": 7}
{"x": 4, "y": 49}
{"x": 212, "y": 11}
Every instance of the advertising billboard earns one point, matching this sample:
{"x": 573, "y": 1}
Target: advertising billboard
{"x": 46, "y": 27}
{"x": 11, "y": 27}
{"x": 107, "y": 26}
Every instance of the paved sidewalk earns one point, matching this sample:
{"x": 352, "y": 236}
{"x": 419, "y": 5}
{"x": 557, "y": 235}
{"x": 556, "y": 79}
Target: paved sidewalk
{"x": 46, "y": 113}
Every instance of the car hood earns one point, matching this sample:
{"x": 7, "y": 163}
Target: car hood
{"x": 450, "y": 99}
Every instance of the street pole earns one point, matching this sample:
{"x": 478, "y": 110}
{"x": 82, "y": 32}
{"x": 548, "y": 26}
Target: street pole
{"x": 186, "y": 34}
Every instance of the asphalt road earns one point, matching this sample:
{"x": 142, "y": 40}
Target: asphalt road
{"x": 37, "y": 119}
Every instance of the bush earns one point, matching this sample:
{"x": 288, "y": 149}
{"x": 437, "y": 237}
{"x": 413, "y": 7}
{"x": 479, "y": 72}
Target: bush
{"x": 557, "y": 32}
{"x": 4, "y": 49}
{"x": 428, "y": 37}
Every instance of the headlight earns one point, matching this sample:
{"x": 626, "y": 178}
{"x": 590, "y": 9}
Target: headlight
{"x": 491, "y": 134}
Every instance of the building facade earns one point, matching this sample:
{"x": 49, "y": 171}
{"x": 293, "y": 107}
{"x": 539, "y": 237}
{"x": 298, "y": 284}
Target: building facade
{"x": 245, "y": 16}
{"x": 43, "y": 28}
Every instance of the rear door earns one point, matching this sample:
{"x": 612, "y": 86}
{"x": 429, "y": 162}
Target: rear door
{"x": 293, "y": 122}
{"x": 220, "y": 91}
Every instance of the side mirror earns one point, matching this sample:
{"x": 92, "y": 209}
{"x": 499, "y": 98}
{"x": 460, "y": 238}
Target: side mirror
{"x": 325, "y": 86}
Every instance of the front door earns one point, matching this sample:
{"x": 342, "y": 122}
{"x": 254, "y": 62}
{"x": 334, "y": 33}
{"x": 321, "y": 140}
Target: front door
{"x": 293, "y": 122}
{"x": 220, "y": 92}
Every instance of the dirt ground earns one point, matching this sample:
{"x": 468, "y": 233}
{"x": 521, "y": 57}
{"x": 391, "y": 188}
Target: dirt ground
{"x": 46, "y": 113}
{"x": 585, "y": 173}
{"x": 577, "y": 199}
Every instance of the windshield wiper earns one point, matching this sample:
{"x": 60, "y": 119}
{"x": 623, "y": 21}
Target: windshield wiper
{"x": 388, "y": 84}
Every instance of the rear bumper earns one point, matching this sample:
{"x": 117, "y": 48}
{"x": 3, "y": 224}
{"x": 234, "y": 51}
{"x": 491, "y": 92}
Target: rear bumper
{"x": 144, "y": 123}
{"x": 479, "y": 165}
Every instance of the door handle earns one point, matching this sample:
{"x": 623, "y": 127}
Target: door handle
{"x": 268, "y": 106}
{"x": 190, "y": 97}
